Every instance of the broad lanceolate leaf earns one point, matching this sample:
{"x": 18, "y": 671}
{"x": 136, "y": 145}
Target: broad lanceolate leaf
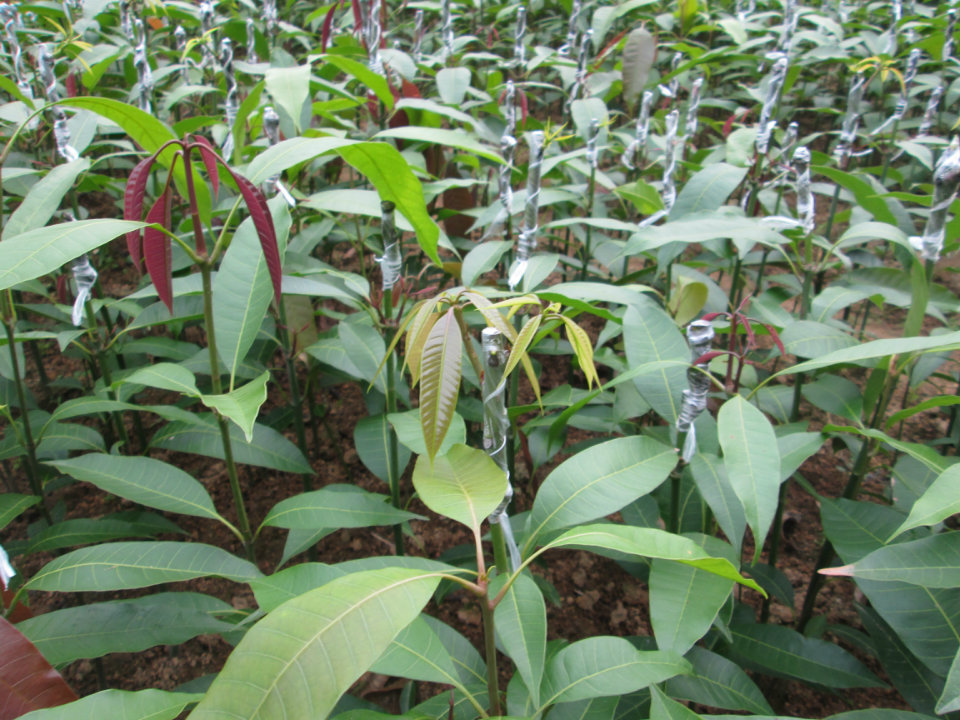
{"x": 139, "y": 705}
{"x": 440, "y": 373}
{"x": 157, "y": 254}
{"x": 133, "y": 195}
{"x": 783, "y": 652}
{"x": 263, "y": 222}
{"x": 44, "y": 198}
{"x": 84, "y": 531}
{"x": 940, "y": 501}
{"x": 950, "y": 698}
{"x": 666, "y": 708}
{"x": 12, "y": 504}
{"x": 241, "y": 405}
{"x": 91, "y": 631}
{"x": 648, "y": 542}
{"x": 165, "y": 376}
{"x": 521, "y": 622}
{"x": 336, "y": 506}
{"x": 464, "y": 485}
{"x": 343, "y": 627}
{"x": 752, "y": 460}
{"x": 604, "y": 666}
{"x": 718, "y": 682}
{"x": 639, "y": 52}
{"x": 710, "y": 476}
{"x": 371, "y": 438}
{"x": 126, "y": 565}
{"x": 932, "y": 562}
{"x": 417, "y": 653}
{"x": 599, "y": 481}
{"x": 143, "y": 480}
{"x": 39, "y": 252}
{"x": 708, "y": 189}
{"x": 27, "y": 682}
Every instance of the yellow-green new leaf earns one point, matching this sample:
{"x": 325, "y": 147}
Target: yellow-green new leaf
{"x": 242, "y": 405}
{"x": 440, "y": 372}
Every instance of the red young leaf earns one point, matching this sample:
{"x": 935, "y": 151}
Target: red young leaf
{"x": 133, "y": 205}
{"x": 71, "y": 83}
{"x": 210, "y": 157}
{"x": 357, "y": 18}
{"x": 263, "y": 222}
{"x": 524, "y": 108}
{"x": 776, "y": 337}
{"x": 27, "y": 682}
{"x": 708, "y": 356}
{"x": 63, "y": 292}
{"x": 156, "y": 250}
{"x": 327, "y": 26}
{"x": 408, "y": 89}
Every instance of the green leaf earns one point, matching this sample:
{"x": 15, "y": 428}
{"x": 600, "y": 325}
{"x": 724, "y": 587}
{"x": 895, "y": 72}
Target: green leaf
{"x": 440, "y": 372}
{"x": 865, "y": 194}
{"x": 165, "y": 376}
{"x": 701, "y": 227}
{"x": 639, "y": 52}
{"x": 241, "y": 405}
{"x": 39, "y": 252}
{"x": 60, "y": 438}
{"x": 710, "y": 476}
{"x": 268, "y": 448}
{"x": 837, "y": 395}
{"x": 138, "y": 705}
{"x": 707, "y": 190}
{"x": 949, "y": 700}
{"x": 465, "y": 485}
{"x": 376, "y": 83}
{"x": 483, "y": 258}
{"x": 440, "y": 136}
{"x": 651, "y": 543}
{"x": 809, "y": 339}
{"x": 599, "y": 481}
{"x": 143, "y": 480}
{"x": 344, "y": 626}
{"x": 410, "y": 434}
{"x": 603, "y": 666}
{"x": 371, "y": 438}
{"x": 684, "y": 601}
{"x": 783, "y": 652}
{"x": 44, "y": 198}
{"x": 290, "y": 89}
{"x": 939, "y": 502}
{"x": 96, "y": 629}
{"x": 649, "y": 335}
{"x": 717, "y": 682}
{"x": 665, "y": 708}
{"x": 521, "y": 622}
{"x": 933, "y": 562}
{"x": 417, "y": 653}
{"x": 336, "y": 506}
{"x": 752, "y": 461}
{"x": 126, "y": 565}
{"x": 83, "y": 531}
{"x": 12, "y": 504}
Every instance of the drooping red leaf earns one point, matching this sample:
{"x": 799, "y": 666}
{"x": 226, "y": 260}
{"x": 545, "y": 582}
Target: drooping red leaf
{"x": 776, "y": 338}
{"x": 133, "y": 196}
{"x": 27, "y": 682}
{"x": 210, "y": 157}
{"x": 408, "y": 89}
{"x": 327, "y": 27}
{"x": 524, "y": 108}
{"x": 263, "y": 222}
{"x": 357, "y": 18}
{"x": 71, "y": 84}
{"x": 62, "y": 290}
{"x": 156, "y": 250}
{"x": 708, "y": 356}
{"x": 19, "y": 613}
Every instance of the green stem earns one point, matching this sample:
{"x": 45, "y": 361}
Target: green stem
{"x": 490, "y": 651}
{"x": 774, "y": 545}
{"x": 393, "y": 450}
{"x": 674, "y": 502}
{"x": 500, "y": 556}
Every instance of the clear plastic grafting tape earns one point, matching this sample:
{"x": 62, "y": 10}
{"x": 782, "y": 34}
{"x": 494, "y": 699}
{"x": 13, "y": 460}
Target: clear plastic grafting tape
{"x": 271, "y": 127}
{"x": 270, "y": 17}
{"x": 251, "y": 41}
{"x": 571, "y": 42}
{"x": 496, "y": 427}
{"x": 12, "y": 23}
{"x": 372, "y": 32}
{"x": 392, "y": 260}
{"x": 231, "y": 104}
{"x": 791, "y": 15}
{"x": 126, "y": 22}
{"x": 142, "y": 65}
{"x": 519, "y": 49}
{"x": 670, "y": 90}
{"x": 638, "y": 146}
{"x": 693, "y": 107}
{"x": 946, "y": 179}
{"x": 527, "y": 239}
{"x": 446, "y": 29}
{"x": 580, "y": 78}
{"x": 180, "y": 36}
{"x": 851, "y": 121}
{"x": 206, "y": 28}
{"x": 593, "y": 134}
{"x": 700, "y": 334}
{"x": 805, "y": 203}
{"x": 61, "y": 133}
{"x": 948, "y": 37}
{"x": 930, "y": 112}
{"x": 417, "y": 37}
{"x": 775, "y": 83}
{"x": 7, "y": 573}
{"x": 668, "y": 193}
{"x": 508, "y": 146}
{"x": 85, "y": 278}
{"x": 900, "y": 109}
{"x": 744, "y": 11}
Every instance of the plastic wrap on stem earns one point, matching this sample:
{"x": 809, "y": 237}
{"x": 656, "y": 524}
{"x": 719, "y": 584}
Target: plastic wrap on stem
{"x": 930, "y": 111}
{"x": 12, "y": 23}
{"x": 593, "y": 134}
{"x": 7, "y": 573}
{"x": 372, "y": 32}
{"x": 790, "y": 139}
{"x": 125, "y": 21}
{"x": 508, "y": 146}
{"x": 206, "y": 27}
{"x": 180, "y": 37}
{"x": 571, "y": 41}
{"x": 519, "y": 49}
{"x": 61, "y": 133}
{"x": 85, "y": 277}
{"x": 669, "y": 191}
{"x": 743, "y": 11}
{"x": 527, "y": 239}
{"x": 806, "y": 208}
{"x": 580, "y": 78}
{"x": 903, "y": 100}
{"x": 231, "y": 104}
{"x": 948, "y": 38}
{"x": 638, "y": 146}
{"x": 417, "y": 37}
{"x": 851, "y": 121}
{"x": 946, "y": 178}
{"x": 392, "y": 261}
{"x": 693, "y": 107}
{"x": 271, "y": 128}
{"x": 251, "y": 42}
{"x": 142, "y": 65}
{"x": 270, "y": 17}
{"x": 670, "y": 90}
{"x": 790, "y": 17}
{"x": 700, "y": 334}
{"x": 777, "y": 75}
{"x": 446, "y": 29}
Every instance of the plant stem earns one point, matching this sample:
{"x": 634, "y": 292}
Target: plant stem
{"x": 500, "y": 556}
{"x": 490, "y": 652}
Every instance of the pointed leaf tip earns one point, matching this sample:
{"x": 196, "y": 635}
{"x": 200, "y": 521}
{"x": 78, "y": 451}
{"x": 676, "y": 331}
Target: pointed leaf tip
{"x": 133, "y": 197}
{"x": 843, "y": 571}
{"x": 156, "y": 250}
{"x": 263, "y": 222}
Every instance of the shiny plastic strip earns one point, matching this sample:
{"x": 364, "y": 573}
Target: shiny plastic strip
{"x": 700, "y": 334}
{"x": 946, "y": 179}
{"x": 392, "y": 260}
{"x": 142, "y": 65}
{"x": 231, "y": 104}
{"x": 85, "y": 278}
{"x": 638, "y": 146}
{"x": 693, "y": 107}
{"x": 446, "y": 29}
{"x": 777, "y": 75}
{"x": 572, "y": 31}
{"x": 806, "y": 207}
{"x": 527, "y": 239}
{"x": 271, "y": 128}
{"x": 61, "y": 133}
{"x": 519, "y": 49}
{"x": 372, "y": 33}
{"x": 251, "y": 42}
{"x": 417, "y": 37}
{"x": 180, "y": 36}
{"x": 851, "y": 121}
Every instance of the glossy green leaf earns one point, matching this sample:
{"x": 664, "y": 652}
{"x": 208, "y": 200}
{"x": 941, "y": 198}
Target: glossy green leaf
{"x": 96, "y": 629}
{"x": 61, "y": 438}
{"x": 371, "y": 438}
{"x": 143, "y": 480}
{"x": 126, "y": 565}
{"x": 290, "y": 88}
{"x": 268, "y": 448}
{"x": 377, "y": 83}
{"x": 39, "y": 252}
{"x": 12, "y": 504}
{"x": 464, "y": 485}
{"x": 483, "y": 258}
{"x": 603, "y": 666}
{"x": 336, "y": 506}
{"x": 44, "y": 198}
{"x": 939, "y": 502}
{"x": 717, "y": 682}
{"x": 649, "y": 335}
{"x": 599, "y": 481}
{"x": 837, "y": 395}
{"x": 639, "y": 52}
{"x": 809, "y": 339}
{"x": 949, "y": 700}
{"x": 137, "y": 705}
{"x": 701, "y": 227}
{"x": 441, "y": 136}
{"x": 452, "y": 84}
{"x": 521, "y": 622}
{"x": 343, "y": 626}
{"x": 409, "y": 431}
{"x": 933, "y": 562}
{"x": 417, "y": 653}
{"x": 710, "y": 476}
{"x": 783, "y": 652}
{"x": 83, "y": 531}
{"x": 241, "y": 405}
{"x": 648, "y": 542}
{"x": 440, "y": 373}
{"x": 707, "y": 190}
{"x": 666, "y": 708}
{"x": 165, "y": 376}
{"x": 752, "y": 461}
